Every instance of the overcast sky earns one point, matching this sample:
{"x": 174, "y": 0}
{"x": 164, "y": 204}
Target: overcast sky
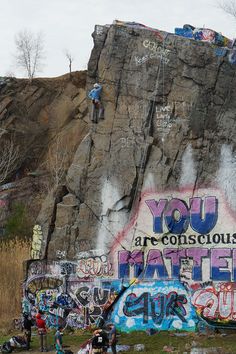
{"x": 68, "y": 24}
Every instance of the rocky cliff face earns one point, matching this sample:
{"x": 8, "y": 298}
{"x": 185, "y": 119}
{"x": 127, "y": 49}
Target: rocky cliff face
{"x": 150, "y": 192}
{"x": 45, "y": 121}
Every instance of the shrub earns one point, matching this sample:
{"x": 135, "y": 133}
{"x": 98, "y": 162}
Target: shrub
{"x": 19, "y": 223}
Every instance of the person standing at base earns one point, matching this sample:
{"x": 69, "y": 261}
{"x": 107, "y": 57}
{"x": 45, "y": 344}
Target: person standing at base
{"x": 99, "y": 342}
{"x": 58, "y": 340}
{"x": 42, "y": 332}
{"x": 112, "y": 337}
{"x": 27, "y": 324}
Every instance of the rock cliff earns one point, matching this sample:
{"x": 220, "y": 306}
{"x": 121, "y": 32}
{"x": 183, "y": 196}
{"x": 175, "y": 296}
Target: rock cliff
{"x": 150, "y": 192}
{"x": 168, "y": 124}
{"x": 44, "y": 121}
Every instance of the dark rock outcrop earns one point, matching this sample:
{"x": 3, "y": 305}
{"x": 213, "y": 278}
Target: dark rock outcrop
{"x": 46, "y": 121}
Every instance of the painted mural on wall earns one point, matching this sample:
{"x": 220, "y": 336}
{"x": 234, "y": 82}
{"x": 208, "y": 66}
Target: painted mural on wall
{"x": 180, "y": 250}
{"x": 163, "y": 305}
{"x": 36, "y": 242}
{"x": 70, "y": 293}
{"x": 188, "y": 240}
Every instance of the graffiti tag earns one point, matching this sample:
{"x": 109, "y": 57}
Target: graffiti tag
{"x": 215, "y": 303}
{"x": 156, "y": 307}
{"x": 94, "y": 266}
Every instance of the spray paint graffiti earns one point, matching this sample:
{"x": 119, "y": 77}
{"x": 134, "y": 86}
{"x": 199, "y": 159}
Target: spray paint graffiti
{"x": 94, "y": 267}
{"x": 42, "y": 283}
{"x": 153, "y": 265}
{"x": 130, "y": 141}
{"x": 36, "y": 268}
{"x": 175, "y": 245}
{"x": 220, "y": 52}
{"x": 193, "y": 214}
{"x": 92, "y": 301}
{"x": 232, "y": 56}
{"x": 75, "y": 320}
{"x": 170, "y": 115}
{"x": 46, "y": 298}
{"x": 99, "y": 30}
{"x": 57, "y": 289}
{"x": 156, "y": 47}
{"x": 157, "y": 52}
{"x": 163, "y": 119}
{"x": 217, "y": 301}
{"x": 147, "y": 57}
{"x": 186, "y": 269}
{"x": 186, "y": 239}
{"x": 36, "y": 242}
{"x": 157, "y": 305}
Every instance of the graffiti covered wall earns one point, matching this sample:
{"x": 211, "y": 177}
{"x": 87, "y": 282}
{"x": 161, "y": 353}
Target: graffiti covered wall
{"x": 188, "y": 243}
{"x": 172, "y": 267}
{"x": 183, "y": 232}
{"x": 70, "y": 293}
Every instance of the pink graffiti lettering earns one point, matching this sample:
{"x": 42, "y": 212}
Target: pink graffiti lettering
{"x": 217, "y": 304}
{"x": 94, "y": 267}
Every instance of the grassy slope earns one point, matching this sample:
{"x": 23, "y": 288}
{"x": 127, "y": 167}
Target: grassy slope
{"x": 153, "y": 344}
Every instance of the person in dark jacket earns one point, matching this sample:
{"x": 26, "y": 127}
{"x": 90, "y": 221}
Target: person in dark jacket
{"x": 27, "y": 324}
{"x": 42, "y": 332}
{"x": 112, "y": 337}
{"x": 99, "y": 342}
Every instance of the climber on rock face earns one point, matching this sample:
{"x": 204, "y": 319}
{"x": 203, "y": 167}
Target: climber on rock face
{"x": 95, "y": 96}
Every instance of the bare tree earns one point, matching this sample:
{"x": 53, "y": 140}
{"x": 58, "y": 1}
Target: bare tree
{"x": 9, "y": 158}
{"x": 70, "y": 59}
{"x": 29, "y": 52}
{"x": 57, "y": 161}
{"x": 228, "y": 6}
